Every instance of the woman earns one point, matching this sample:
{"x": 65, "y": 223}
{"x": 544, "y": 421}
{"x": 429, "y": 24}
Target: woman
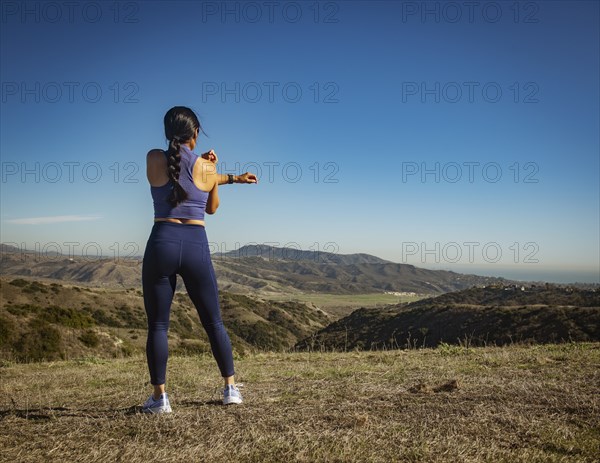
{"x": 183, "y": 186}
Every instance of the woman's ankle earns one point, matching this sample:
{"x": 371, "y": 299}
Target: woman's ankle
{"x": 158, "y": 391}
{"x": 229, "y": 380}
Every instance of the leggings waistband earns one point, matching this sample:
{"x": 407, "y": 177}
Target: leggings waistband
{"x": 164, "y": 222}
{"x": 178, "y": 231}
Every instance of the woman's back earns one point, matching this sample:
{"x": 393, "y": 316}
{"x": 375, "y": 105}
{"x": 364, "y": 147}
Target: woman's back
{"x": 194, "y": 206}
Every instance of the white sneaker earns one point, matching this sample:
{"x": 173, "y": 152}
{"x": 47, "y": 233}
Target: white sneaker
{"x": 161, "y": 405}
{"x": 231, "y": 395}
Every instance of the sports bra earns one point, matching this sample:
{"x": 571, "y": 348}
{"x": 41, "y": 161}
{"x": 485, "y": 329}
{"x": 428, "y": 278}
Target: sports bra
{"x": 192, "y": 208}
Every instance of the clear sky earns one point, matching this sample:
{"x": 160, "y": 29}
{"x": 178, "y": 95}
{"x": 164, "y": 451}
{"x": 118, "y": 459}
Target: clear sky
{"x": 450, "y": 135}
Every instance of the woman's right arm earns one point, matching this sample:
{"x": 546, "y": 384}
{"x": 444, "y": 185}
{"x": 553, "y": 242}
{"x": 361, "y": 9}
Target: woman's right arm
{"x": 156, "y": 168}
{"x": 212, "y": 203}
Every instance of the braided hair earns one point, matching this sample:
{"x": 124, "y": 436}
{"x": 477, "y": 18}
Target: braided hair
{"x": 180, "y": 127}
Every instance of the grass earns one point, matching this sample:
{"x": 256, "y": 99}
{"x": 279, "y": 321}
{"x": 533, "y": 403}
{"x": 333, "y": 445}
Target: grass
{"x": 499, "y": 404}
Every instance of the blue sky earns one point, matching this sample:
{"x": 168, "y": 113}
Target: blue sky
{"x": 420, "y": 132}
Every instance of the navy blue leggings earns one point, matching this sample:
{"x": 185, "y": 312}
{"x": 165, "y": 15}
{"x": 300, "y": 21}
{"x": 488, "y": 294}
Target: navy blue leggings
{"x": 172, "y": 249}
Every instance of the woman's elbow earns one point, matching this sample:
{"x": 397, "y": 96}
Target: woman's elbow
{"x": 212, "y": 209}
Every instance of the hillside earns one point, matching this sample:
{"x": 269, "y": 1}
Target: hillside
{"x": 276, "y": 276}
{"x": 476, "y": 316}
{"x": 259, "y": 270}
{"x": 536, "y": 404}
{"x": 291, "y": 254}
{"x": 49, "y": 321}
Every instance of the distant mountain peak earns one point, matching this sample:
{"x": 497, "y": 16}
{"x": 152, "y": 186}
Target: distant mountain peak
{"x": 269, "y": 252}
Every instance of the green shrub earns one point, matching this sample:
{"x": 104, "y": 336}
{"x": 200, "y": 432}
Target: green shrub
{"x": 127, "y": 349}
{"x": 445, "y": 349}
{"x": 7, "y": 330}
{"x": 67, "y": 317}
{"x": 191, "y": 347}
{"x": 133, "y": 318}
{"x": 182, "y": 325}
{"x": 260, "y": 334}
{"x": 23, "y": 309}
{"x": 103, "y": 318}
{"x": 35, "y": 287}
{"x": 19, "y": 282}
{"x": 40, "y": 342}
{"x": 89, "y": 338}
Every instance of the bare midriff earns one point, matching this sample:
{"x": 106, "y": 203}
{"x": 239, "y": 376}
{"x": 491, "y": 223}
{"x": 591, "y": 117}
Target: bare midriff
{"x": 184, "y": 221}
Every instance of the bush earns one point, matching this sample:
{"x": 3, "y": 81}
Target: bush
{"x": 260, "y": 334}
{"x": 7, "y": 331}
{"x": 191, "y": 347}
{"x": 103, "y": 318}
{"x": 40, "y": 342}
{"x": 66, "y": 317}
{"x": 35, "y": 287}
{"x": 131, "y": 318}
{"x": 23, "y": 309}
{"x": 90, "y": 339}
{"x": 127, "y": 349}
{"x": 19, "y": 282}
{"x": 182, "y": 325}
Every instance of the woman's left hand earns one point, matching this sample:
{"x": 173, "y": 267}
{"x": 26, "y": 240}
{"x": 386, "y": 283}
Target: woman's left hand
{"x": 247, "y": 178}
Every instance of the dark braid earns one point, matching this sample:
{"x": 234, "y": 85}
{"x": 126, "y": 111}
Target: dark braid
{"x": 178, "y": 194}
{"x": 180, "y": 127}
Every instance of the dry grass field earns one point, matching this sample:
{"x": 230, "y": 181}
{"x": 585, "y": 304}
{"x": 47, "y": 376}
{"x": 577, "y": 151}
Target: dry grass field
{"x": 537, "y": 403}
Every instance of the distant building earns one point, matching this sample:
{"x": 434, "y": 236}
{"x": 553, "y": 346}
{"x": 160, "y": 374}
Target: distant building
{"x": 402, "y": 293}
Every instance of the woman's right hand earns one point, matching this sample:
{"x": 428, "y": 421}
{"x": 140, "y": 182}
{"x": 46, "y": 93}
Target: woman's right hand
{"x": 210, "y": 156}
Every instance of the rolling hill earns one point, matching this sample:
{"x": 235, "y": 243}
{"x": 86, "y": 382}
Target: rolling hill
{"x": 494, "y": 315}
{"x": 49, "y": 321}
{"x": 260, "y": 270}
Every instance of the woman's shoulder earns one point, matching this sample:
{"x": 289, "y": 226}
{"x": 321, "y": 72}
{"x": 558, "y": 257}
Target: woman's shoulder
{"x": 155, "y": 152}
{"x": 156, "y": 156}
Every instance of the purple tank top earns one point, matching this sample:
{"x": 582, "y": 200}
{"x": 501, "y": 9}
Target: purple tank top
{"x": 193, "y": 207}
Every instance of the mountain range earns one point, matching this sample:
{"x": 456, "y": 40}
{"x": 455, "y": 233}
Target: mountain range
{"x": 255, "y": 269}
